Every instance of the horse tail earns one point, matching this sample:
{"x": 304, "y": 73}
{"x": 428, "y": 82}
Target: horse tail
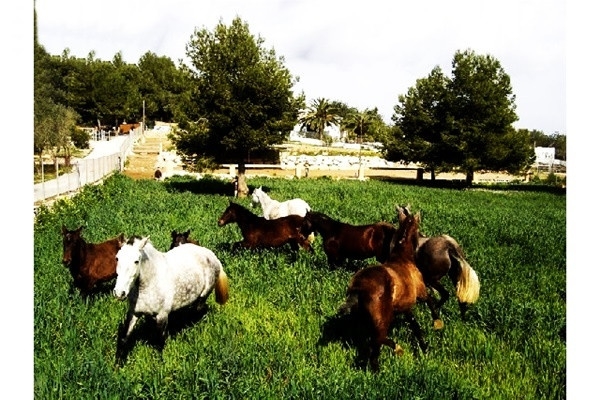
{"x": 467, "y": 282}
{"x": 349, "y": 305}
{"x": 222, "y": 287}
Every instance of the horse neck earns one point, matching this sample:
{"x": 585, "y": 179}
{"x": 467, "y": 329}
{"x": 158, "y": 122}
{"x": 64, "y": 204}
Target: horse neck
{"x": 265, "y": 201}
{"x": 243, "y": 216}
{"x": 326, "y": 226}
{"x": 151, "y": 263}
{"x": 405, "y": 250}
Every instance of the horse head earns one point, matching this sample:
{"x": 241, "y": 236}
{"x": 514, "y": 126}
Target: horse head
{"x": 256, "y": 195}
{"x": 70, "y": 240}
{"x": 128, "y": 265}
{"x": 230, "y": 214}
{"x": 407, "y": 232}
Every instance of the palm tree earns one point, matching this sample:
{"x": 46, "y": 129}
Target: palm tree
{"x": 319, "y": 115}
{"x": 360, "y": 123}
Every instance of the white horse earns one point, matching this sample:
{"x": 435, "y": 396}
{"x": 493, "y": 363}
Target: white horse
{"x": 157, "y": 283}
{"x": 273, "y": 209}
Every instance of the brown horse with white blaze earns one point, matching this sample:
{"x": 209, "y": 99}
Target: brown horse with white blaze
{"x": 377, "y": 293}
{"x": 89, "y": 263}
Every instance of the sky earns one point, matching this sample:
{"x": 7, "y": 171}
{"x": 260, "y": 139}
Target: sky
{"x": 364, "y": 54}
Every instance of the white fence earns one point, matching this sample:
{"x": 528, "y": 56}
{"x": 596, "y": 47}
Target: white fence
{"x": 86, "y": 171}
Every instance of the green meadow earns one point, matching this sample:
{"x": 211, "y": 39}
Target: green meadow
{"x": 272, "y": 340}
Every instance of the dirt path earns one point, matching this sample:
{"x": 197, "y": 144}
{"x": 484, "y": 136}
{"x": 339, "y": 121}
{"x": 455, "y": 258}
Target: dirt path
{"x": 140, "y": 165}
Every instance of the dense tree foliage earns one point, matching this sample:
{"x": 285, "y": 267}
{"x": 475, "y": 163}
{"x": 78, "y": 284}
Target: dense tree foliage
{"x": 462, "y": 122}
{"x": 242, "y": 99}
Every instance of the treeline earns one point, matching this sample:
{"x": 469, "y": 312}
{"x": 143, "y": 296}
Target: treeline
{"x": 235, "y": 97}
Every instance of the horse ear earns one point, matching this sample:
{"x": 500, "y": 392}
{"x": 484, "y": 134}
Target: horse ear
{"x": 121, "y": 239}
{"x": 144, "y": 241}
{"x": 173, "y": 233}
{"x": 187, "y": 233}
{"x": 418, "y": 217}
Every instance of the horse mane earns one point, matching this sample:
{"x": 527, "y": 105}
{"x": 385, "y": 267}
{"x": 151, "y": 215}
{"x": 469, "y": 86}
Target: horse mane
{"x": 405, "y": 239}
{"x": 243, "y": 209}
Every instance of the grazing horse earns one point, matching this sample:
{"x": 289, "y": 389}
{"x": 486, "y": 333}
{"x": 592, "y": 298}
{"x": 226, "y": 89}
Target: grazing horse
{"x": 89, "y": 263}
{"x": 158, "y": 283}
{"x": 342, "y": 241}
{"x": 377, "y": 293}
{"x": 178, "y": 238}
{"x": 441, "y": 255}
{"x": 272, "y": 208}
{"x": 258, "y": 232}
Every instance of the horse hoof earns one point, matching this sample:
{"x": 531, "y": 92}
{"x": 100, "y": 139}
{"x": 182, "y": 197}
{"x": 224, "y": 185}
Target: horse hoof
{"x": 398, "y": 350}
{"x": 438, "y": 324}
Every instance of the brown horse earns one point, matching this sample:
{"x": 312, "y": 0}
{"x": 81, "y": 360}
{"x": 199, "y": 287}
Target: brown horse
{"x": 438, "y": 256}
{"x": 89, "y": 263}
{"x": 379, "y": 292}
{"x": 178, "y": 238}
{"x": 258, "y": 232}
{"x": 342, "y": 241}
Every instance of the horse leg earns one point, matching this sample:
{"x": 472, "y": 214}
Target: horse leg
{"x": 123, "y": 337}
{"x": 414, "y": 326}
{"x": 161, "y": 325}
{"x": 294, "y": 245}
{"x": 444, "y": 294}
{"x": 435, "y": 308}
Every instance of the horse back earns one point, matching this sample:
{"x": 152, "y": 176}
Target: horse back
{"x": 100, "y": 261}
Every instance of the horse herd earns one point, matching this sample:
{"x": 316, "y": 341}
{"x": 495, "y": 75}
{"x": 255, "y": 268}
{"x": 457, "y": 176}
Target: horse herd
{"x": 409, "y": 265}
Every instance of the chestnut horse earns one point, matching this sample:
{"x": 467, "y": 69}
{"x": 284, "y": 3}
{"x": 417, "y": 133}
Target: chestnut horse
{"x": 258, "y": 232}
{"x": 377, "y": 293}
{"x": 342, "y": 241}
{"x": 89, "y": 263}
{"x": 178, "y": 238}
{"x": 438, "y": 256}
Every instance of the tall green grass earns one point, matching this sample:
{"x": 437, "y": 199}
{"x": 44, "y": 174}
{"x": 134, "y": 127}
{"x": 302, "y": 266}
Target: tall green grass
{"x": 264, "y": 343}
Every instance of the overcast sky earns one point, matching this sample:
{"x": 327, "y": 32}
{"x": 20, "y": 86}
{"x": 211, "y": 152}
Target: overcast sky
{"x": 361, "y": 53}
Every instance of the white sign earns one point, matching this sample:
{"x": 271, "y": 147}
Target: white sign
{"x": 544, "y": 155}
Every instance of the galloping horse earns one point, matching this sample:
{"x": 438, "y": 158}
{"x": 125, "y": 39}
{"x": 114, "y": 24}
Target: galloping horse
{"x": 89, "y": 263}
{"x": 376, "y": 293}
{"x": 343, "y": 241}
{"x": 178, "y": 238}
{"x": 260, "y": 232}
{"x": 158, "y": 283}
{"x": 441, "y": 255}
{"x": 274, "y": 209}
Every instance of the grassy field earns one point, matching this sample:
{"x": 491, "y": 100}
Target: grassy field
{"x": 271, "y": 341}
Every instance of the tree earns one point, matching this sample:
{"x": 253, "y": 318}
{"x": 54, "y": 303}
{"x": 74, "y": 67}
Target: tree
{"x": 242, "y": 99}
{"x": 319, "y": 115}
{"x": 464, "y": 122}
{"x": 162, "y": 85}
{"x": 420, "y": 123}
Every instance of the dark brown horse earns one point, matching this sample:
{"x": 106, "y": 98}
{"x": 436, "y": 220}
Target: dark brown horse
{"x": 438, "y": 256}
{"x": 258, "y": 232}
{"x": 379, "y": 292}
{"x": 89, "y": 263}
{"x": 178, "y": 238}
{"x": 342, "y": 241}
